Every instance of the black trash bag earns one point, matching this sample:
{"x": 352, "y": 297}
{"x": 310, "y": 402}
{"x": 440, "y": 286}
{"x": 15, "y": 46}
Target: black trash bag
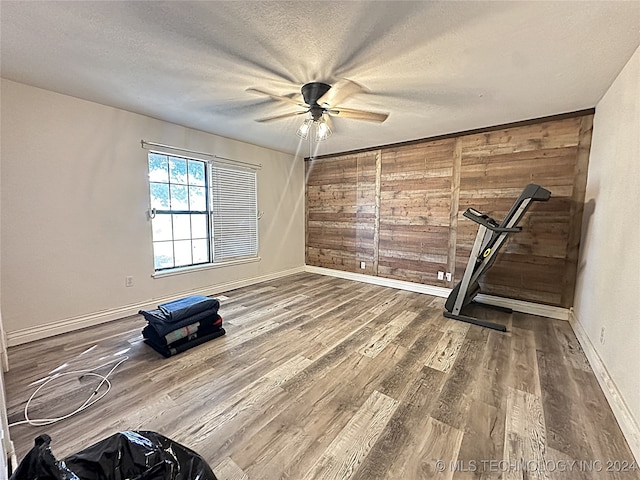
{"x": 40, "y": 464}
{"x": 126, "y": 455}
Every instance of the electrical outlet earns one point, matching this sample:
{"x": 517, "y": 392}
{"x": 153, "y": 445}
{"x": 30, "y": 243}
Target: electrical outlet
{"x": 362, "y": 265}
{"x": 128, "y": 281}
{"x": 440, "y": 275}
{"x": 602, "y": 335}
{"x": 448, "y": 276}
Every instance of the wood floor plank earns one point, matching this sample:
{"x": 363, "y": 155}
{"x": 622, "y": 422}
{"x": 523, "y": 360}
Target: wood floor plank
{"x": 228, "y": 470}
{"x": 455, "y": 398}
{"x": 408, "y": 369}
{"x": 140, "y": 418}
{"x": 334, "y": 333}
{"x": 563, "y": 414}
{"x": 438, "y": 443}
{"x": 445, "y": 354}
{"x": 328, "y": 402}
{"x": 249, "y": 397}
{"x": 563, "y": 467}
{"x": 387, "y": 334}
{"x": 524, "y": 364}
{"x": 561, "y": 397}
{"x": 525, "y": 437}
{"x": 284, "y": 393}
{"x": 483, "y": 441}
{"x": 315, "y": 417}
{"x": 570, "y": 347}
{"x": 345, "y": 454}
{"x": 601, "y": 422}
{"x": 397, "y": 445}
{"x": 484, "y": 432}
{"x": 494, "y": 371}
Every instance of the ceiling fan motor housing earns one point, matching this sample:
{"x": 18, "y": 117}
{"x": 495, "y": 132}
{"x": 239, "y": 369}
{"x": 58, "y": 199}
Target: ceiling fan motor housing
{"x": 311, "y": 92}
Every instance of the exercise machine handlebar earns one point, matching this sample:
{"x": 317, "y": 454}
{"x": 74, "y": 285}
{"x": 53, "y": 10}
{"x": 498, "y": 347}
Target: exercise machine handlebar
{"x": 488, "y": 222}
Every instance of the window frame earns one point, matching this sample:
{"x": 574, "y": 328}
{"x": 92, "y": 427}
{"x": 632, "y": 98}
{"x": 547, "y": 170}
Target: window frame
{"x": 212, "y": 260}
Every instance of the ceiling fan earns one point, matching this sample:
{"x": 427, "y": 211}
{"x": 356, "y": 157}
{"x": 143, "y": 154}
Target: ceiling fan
{"x": 321, "y": 102}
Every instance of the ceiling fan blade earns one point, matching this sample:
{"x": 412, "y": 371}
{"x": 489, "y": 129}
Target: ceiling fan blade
{"x": 275, "y": 97}
{"x": 278, "y": 117}
{"x": 358, "y": 114}
{"x": 340, "y": 91}
{"x": 327, "y": 119}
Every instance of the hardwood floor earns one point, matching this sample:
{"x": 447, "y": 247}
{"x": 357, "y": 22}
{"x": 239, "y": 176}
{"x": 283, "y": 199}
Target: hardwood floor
{"x": 324, "y": 378}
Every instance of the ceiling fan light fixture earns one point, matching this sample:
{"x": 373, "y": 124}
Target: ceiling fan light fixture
{"x": 303, "y": 131}
{"x": 321, "y": 103}
{"x": 322, "y": 130}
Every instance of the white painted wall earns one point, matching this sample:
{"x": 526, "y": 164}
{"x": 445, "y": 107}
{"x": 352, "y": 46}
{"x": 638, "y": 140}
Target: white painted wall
{"x": 74, "y": 201}
{"x": 5, "y": 439}
{"x": 608, "y": 285}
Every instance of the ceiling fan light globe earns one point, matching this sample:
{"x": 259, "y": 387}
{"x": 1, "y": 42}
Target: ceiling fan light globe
{"x": 303, "y": 130}
{"x": 322, "y": 131}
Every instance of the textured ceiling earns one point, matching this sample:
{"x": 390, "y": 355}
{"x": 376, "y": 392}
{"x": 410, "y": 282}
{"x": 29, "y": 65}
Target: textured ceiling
{"x": 436, "y": 67}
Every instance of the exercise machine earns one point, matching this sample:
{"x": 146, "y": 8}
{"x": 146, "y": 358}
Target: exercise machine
{"x": 490, "y": 237}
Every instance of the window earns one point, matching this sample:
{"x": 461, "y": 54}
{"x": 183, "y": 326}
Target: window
{"x": 201, "y": 213}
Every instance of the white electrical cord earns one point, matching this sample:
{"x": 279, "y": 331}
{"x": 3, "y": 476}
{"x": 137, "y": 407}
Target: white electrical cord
{"x": 93, "y": 398}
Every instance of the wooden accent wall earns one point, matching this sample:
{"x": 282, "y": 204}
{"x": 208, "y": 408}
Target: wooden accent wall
{"x": 415, "y": 205}
{"x": 399, "y": 209}
{"x": 341, "y": 215}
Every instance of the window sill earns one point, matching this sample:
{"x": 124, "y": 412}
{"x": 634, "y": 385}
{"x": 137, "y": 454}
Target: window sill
{"x": 208, "y": 266}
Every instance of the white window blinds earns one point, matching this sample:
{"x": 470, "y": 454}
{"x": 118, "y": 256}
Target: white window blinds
{"x": 234, "y": 212}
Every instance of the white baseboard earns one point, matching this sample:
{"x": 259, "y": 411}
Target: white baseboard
{"x": 621, "y": 411}
{"x": 30, "y": 334}
{"x": 557, "y": 313}
{"x": 383, "y": 282}
{"x": 516, "y": 305}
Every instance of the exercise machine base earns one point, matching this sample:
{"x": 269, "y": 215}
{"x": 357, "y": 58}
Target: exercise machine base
{"x": 475, "y": 321}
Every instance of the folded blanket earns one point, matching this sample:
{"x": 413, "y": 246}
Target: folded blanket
{"x": 181, "y": 333}
{"x": 206, "y": 325}
{"x": 158, "y": 320}
{"x": 188, "y": 306}
{"x": 182, "y": 345}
